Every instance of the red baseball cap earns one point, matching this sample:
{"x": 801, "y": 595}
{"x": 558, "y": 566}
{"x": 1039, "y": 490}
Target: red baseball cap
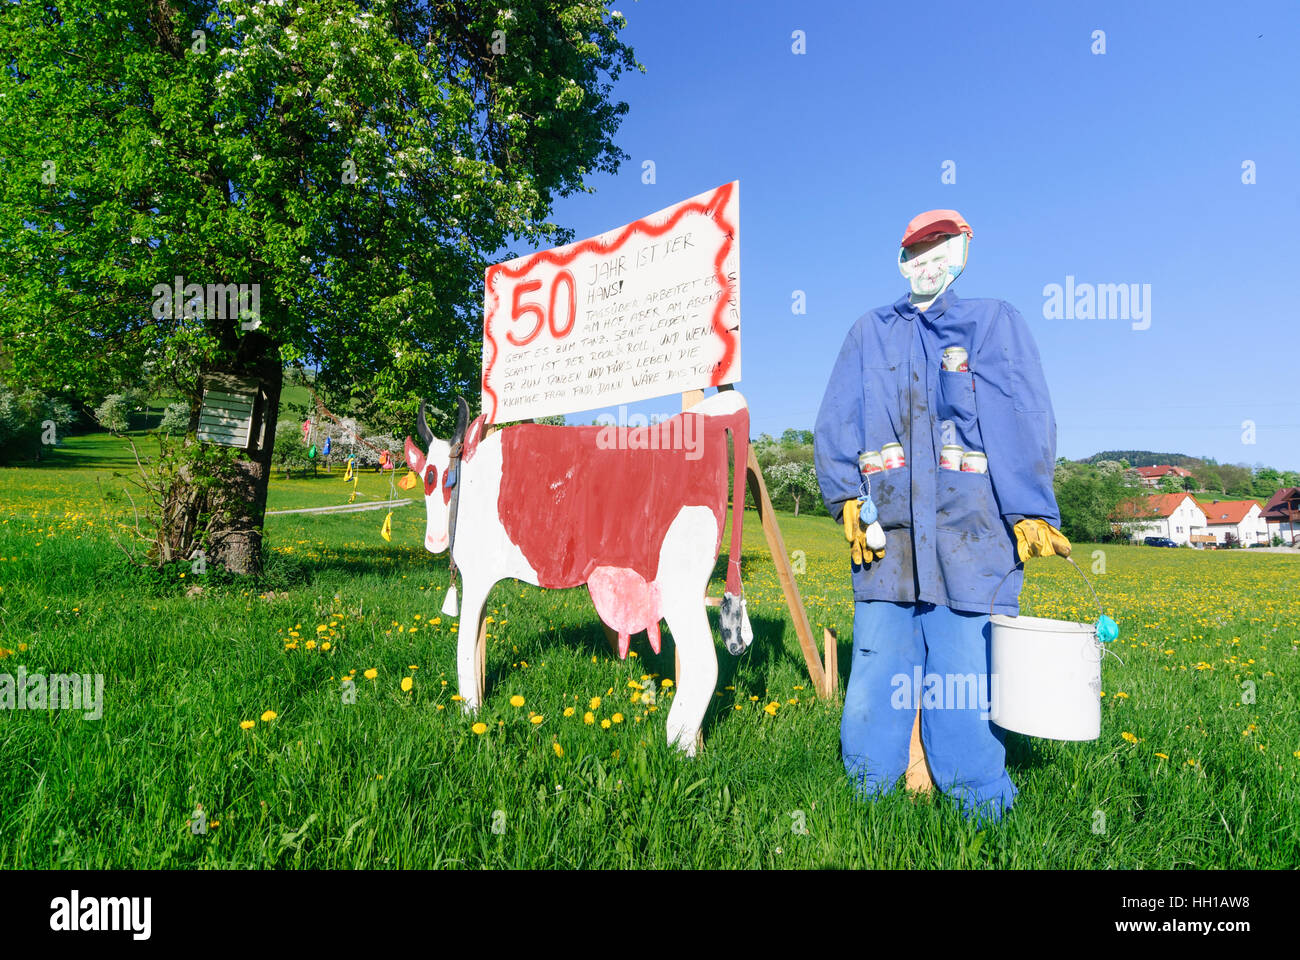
{"x": 932, "y": 224}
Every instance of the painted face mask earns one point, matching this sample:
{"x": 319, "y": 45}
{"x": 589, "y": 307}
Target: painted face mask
{"x": 930, "y": 267}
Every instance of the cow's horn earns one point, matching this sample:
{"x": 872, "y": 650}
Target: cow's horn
{"x": 422, "y": 426}
{"x": 462, "y": 419}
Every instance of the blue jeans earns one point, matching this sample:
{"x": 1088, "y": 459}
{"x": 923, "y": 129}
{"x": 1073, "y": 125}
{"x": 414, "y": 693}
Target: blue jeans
{"x": 910, "y": 655}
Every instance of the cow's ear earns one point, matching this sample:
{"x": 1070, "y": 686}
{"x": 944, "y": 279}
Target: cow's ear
{"x": 414, "y": 458}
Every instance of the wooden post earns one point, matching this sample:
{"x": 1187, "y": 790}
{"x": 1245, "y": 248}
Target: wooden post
{"x": 793, "y": 601}
{"x": 480, "y": 648}
{"x": 831, "y": 646}
{"x": 776, "y": 547}
{"x": 918, "y": 768}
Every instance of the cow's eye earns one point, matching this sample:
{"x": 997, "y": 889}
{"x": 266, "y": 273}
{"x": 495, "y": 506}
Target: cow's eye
{"x": 430, "y": 480}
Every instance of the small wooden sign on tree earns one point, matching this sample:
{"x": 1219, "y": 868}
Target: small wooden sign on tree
{"x": 229, "y": 410}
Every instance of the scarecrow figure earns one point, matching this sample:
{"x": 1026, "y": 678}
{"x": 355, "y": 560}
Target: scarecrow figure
{"x": 952, "y": 392}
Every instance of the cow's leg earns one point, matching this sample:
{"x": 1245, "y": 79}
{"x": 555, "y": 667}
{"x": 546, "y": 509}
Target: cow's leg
{"x": 685, "y": 563}
{"x": 469, "y": 665}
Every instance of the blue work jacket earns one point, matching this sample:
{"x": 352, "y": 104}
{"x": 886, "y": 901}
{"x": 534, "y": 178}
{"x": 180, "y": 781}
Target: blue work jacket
{"x": 949, "y": 537}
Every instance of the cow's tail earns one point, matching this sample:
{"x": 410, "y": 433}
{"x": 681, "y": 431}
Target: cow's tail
{"x": 737, "y": 634}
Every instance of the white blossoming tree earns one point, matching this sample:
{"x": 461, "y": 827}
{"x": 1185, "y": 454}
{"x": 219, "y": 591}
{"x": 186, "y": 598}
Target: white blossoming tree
{"x": 359, "y": 162}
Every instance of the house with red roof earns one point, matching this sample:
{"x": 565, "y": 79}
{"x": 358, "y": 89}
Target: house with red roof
{"x": 1174, "y": 515}
{"x": 1282, "y": 515}
{"x": 1151, "y": 476}
{"x": 1242, "y": 519}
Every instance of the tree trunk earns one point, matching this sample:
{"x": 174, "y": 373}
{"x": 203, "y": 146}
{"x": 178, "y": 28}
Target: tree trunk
{"x": 796, "y": 504}
{"x": 238, "y": 546}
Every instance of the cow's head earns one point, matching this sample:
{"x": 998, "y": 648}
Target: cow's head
{"x": 434, "y": 467}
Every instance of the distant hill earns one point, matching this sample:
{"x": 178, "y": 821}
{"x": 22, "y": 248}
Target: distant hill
{"x": 1146, "y": 458}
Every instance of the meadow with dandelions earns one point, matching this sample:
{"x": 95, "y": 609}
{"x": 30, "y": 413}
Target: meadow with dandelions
{"x": 230, "y": 698}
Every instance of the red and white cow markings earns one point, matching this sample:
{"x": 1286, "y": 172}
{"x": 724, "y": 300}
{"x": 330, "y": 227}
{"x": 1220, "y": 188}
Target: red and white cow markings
{"x": 641, "y": 527}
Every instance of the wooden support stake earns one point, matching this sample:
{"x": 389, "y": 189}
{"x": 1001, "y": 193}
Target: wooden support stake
{"x": 918, "y": 768}
{"x": 832, "y": 653}
{"x": 793, "y": 601}
{"x": 480, "y": 648}
{"x": 776, "y": 547}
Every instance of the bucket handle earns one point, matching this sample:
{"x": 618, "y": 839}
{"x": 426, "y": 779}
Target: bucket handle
{"x": 1021, "y": 563}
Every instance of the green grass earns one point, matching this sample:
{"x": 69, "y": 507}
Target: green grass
{"x": 400, "y": 780}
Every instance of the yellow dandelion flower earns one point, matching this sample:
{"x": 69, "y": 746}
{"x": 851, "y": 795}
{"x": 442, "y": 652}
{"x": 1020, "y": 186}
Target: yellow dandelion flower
{"x": 1129, "y": 737}
{"x": 568, "y": 711}
{"x": 595, "y": 703}
{"x": 588, "y": 717}
{"x": 268, "y": 716}
{"x": 407, "y": 684}
{"x": 457, "y": 696}
{"x": 479, "y": 728}
{"x": 1163, "y": 756}
{"x": 617, "y": 718}
{"x": 371, "y": 673}
{"x": 666, "y": 683}
{"x": 771, "y": 708}
{"x": 325, "y": 646}
{"x": 559, "y": 750}
{"x": 246, "y": 724}
{"x": 516, "y": 701}
{"x": 536, "y": 719}
{"x": 604, "y": 724}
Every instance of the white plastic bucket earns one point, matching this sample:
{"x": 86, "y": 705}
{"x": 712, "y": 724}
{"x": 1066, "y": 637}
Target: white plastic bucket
{"x": 1046, "y": 677}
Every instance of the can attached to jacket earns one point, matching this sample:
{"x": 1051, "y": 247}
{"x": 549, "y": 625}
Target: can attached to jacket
{"x": 892, "y": 455}
{"x": 955, "y": 359}
{"x": 869, "y": 462}
{"x": 950, "y": 457}
{"x": 974, "y": 462}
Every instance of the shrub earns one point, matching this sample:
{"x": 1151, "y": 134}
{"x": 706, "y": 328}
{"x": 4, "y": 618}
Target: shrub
{"x": 175, "y": 418}
{"x": 114, "y": 413}
{"x": 25, "y": 419}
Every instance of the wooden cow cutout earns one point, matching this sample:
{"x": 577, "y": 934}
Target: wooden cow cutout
{"x": 635, "y": 515}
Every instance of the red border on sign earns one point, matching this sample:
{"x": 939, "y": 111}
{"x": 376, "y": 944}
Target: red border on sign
{"x": 713, "y": 207}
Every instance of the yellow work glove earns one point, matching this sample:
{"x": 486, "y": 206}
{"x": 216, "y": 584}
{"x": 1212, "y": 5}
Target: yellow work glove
{"x": 1036, "y": 537}
{"x": 868, "y": 543}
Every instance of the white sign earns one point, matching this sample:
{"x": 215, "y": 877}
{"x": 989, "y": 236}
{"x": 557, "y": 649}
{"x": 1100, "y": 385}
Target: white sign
{"x": 648, "y": 309}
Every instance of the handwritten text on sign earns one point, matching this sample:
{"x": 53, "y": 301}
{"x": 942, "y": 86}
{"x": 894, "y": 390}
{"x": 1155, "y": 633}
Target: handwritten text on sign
{"x": 649, "y": 309}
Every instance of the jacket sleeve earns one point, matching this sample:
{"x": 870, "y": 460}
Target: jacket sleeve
{"x": 1016, "y": 420}
{"x": 837, "y": 436}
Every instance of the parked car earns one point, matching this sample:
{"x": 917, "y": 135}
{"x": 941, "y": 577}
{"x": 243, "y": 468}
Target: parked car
{"x": 1159, "y": 542}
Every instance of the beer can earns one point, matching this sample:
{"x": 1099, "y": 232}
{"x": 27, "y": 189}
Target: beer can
{"x": 869, "y": 462}
{"x": 892, "y": 455}
{"x": 954, "y": 359}
{"x": 974, "y": 462}
{"x": 950, "y": 457}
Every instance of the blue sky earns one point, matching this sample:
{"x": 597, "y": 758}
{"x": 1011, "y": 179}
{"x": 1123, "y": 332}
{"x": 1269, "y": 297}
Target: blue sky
{"x": 1117, "y": 168}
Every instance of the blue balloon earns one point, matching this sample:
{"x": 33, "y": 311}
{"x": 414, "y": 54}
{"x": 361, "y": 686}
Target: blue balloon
{"x": 327, "y": 446}
{"x": 1107, "y": 629}
{"x": 867, "y": 514}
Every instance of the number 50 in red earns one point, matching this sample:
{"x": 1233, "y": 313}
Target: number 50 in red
{"x": 518, "y": 308}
